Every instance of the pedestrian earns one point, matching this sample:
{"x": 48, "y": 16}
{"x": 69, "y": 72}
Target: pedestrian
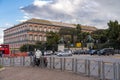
{"x": 38, "y": 54}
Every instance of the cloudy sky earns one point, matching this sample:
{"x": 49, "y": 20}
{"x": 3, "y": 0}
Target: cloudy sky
{"x": 86, "y": 12}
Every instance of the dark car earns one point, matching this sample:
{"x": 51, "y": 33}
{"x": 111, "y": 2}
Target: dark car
{"x": 92, "y": 52}
{"x": 106, "y": 51}
{"x": 79, "y": 52}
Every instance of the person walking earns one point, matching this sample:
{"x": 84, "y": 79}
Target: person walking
{"x": 38, "y": 54}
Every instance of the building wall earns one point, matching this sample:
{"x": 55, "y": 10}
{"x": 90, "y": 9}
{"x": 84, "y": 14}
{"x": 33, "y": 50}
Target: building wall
{"x": 26, "y": 33}
{"x": 30, "y": 32}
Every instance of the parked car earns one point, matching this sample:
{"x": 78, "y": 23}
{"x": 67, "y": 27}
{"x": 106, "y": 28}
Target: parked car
{"x": 48, "y": 52}
{"x": 106, "y": 51}
{"x": 92, "y": 52}
{"x": 79, "y": 52}
{"x": 56, "y": 52}
{"x": 65, "y": 53}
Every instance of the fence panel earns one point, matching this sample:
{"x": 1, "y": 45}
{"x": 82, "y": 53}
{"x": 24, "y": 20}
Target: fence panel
{"x": 27, "y": 61}
{"x": 80, "y": 65}
{"x": 68, "y": 64}
{"x": 17, "y": 61}
{"x": 109, "y": 70}
{"x": 6, "y": 61}
{"x": 57, "y": 63}
{"x": 94, "y": 68}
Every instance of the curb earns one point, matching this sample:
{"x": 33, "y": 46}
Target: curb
{"x": 2, "y": 69}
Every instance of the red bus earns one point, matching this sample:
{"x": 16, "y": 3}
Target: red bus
{"x": 4, "y": 49}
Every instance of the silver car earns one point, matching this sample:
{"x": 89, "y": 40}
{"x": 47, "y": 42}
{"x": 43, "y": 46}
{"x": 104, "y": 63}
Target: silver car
{"x": 65, "y": 53}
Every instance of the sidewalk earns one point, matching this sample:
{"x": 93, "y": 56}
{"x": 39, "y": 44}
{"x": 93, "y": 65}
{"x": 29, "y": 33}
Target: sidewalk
{"x": 35, "y": 73}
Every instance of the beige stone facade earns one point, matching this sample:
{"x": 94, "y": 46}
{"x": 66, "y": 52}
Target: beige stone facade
{"x": 33, "y": 30}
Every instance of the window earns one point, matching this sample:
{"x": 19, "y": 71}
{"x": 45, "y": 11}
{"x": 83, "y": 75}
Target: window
{"x": 49, "y": 30}
{"x": 35, "y": 28}
{"x": 39, "y": 28}
{"x": 40, "y": 38}
{"x": 44, "y": 38}
{"x": 35, "y": 38}
{"x": 31, "y": 28}
{"x": 44, "y": 29}
{"x": 31, "y": 37}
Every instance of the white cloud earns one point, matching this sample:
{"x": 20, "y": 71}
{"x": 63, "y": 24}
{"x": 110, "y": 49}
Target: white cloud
{"x": 40, "y": 3}
{"x": 88, "y": 12}
{"x": 8, "y": 24}
{"x": 24, "y": 18}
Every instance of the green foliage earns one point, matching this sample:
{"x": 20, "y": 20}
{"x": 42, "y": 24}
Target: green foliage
{"x": 27, "y": 47}
{"x": 114, "y": 33}
{"x": 39, "y": 45}
{"x": 68, "y": 32}
{"x": 52, "y": 40}
{"x": 100, "y": 35}
{"x": 78, "y": 32}
{"x": 114, "y": 30}
{"x": 82, "y": 36}
{"x": 78, "y": 28}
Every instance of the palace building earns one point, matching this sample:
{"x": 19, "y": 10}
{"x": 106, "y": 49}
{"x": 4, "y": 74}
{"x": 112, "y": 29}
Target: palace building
{"x": 34, "y": 30}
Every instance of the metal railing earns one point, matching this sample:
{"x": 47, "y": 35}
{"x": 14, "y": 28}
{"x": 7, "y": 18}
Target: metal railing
{"x": 100, "y": 69}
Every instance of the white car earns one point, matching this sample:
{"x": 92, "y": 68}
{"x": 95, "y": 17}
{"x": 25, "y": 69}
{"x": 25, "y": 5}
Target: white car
{"x": 49, "y": 52}
{"x": 65, "y": 53}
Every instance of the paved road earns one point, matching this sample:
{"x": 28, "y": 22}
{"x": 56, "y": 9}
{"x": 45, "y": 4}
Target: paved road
{"x": 30, "y": 73}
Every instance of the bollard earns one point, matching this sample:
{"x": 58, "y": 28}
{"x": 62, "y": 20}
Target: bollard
{"x": 114, "y": 71}
{"x": 61, "y": 63}
{"x": 53, "y": 61}
{"x": 64, "y": 60}
{"x": 85, "y": 66}
{"x": 42, "y": 62}
{"x": 73, "y": 64}
{"x": 103, "y": 71}
{"x": 50, "y": 62}
{"x": 23, "y": 61}
{"x": 11, "y": 59}
{"x": 88, "y": 67}
{"x": 99, "y": 69}
{"x": 31, "y": 59}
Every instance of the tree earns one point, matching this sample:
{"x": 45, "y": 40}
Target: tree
{"x": 114, "y": 33}
{"x": 27, "y": 48}
{"x": 78, "y": 32}
{"x": 114, "y": 30}
{"x": 40, "y": 45}
{"x": 100, "y": 35}
{"x": 52, "y": 40}
{"x": 68, "y": 34}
